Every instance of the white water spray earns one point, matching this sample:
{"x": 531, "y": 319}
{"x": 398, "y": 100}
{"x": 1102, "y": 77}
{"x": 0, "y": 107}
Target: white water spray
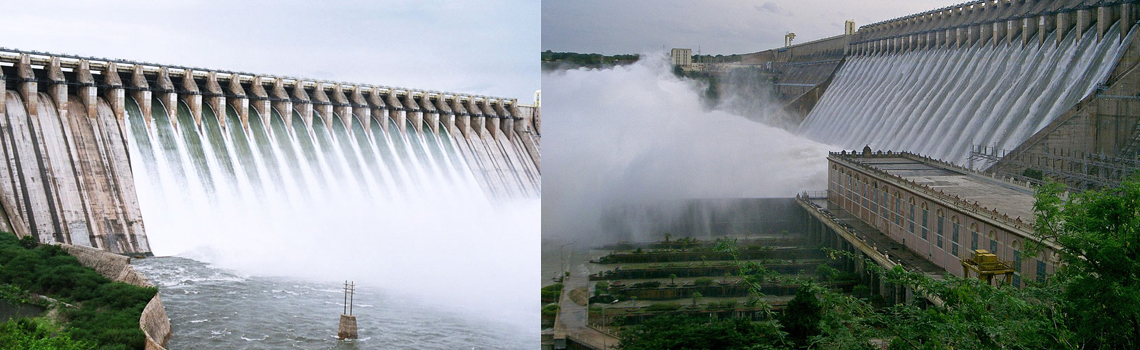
{"x": 637, "y": 134}
{"x": 337, "y": 203}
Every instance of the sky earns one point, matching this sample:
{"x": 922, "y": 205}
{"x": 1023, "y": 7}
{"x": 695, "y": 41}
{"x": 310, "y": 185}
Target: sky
{"x": 486, "y": 47}
{"x": 715, "y": 26}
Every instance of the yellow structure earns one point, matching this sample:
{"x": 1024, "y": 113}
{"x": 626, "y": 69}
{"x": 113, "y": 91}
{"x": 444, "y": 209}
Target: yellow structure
{"x": 987, "y": 265}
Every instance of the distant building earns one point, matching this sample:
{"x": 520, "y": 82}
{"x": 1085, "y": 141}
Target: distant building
{"x": 682, "y": 57}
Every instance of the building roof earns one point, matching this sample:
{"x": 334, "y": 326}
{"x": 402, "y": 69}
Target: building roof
{"x": 994, "y": 198}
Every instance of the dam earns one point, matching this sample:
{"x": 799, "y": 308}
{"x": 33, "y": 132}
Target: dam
{"x": 1000, "y": 85}
{"x": 968, "y": 106}
{"x": 90, "y": 145}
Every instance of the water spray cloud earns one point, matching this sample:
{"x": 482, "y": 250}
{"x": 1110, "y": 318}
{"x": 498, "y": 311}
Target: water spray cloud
{"x": 638, "y": 134}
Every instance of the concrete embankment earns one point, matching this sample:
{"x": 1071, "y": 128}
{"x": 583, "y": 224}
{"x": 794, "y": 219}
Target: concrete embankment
{"x": 153, "y": 321}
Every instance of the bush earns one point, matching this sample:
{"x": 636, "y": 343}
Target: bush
{"x": 26, "y": 334}
{"x": 550, "y": 310}
{"x": 703, "y": 281}
{"x": 29, "y": 242}
{"x": 601, "y": 288}
{"x": 553, "y": 291}
{"x": 108, "y": 312}
{"x": 727, "y": 304}
{"x": 13, "y": 294}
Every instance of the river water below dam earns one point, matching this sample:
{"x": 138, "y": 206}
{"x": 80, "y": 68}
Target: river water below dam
{"x": 213, "y": 308}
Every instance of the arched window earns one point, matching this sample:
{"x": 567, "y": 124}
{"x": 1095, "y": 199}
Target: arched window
{"x": 875, "y": 199}
{"x": 865, "y": 188}
{"x": 993, "y": 242}
{"x": 898, "y": 211}
{"x": 938, "y": 229}
{"x": 911, "y": 217}
{"x": 973, "y": 237}
{"x": 925, "y": 215}
{"x": 883, "y": 203}
{"x": 954, "y": 235}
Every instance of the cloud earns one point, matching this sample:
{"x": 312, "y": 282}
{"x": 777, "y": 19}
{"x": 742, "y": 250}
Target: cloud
{"x": 769, "y": 7}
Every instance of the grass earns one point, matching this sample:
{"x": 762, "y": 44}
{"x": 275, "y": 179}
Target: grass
{"x": 106, "y": 313}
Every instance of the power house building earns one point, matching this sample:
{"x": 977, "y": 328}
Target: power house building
{"x": 938, "y": 210}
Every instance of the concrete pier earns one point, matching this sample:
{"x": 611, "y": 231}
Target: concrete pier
{"x": 347, "y": 328}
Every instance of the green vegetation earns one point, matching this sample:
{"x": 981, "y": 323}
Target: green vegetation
{"x": 694, "y": 332}
{"x": 105, "y": 313}
{"x": 572, "y": 60}
{"x": 601, "y": 288}
{"x": 1092, "y": 301}
{"x": 550, "y": 310}
{"x": 552, "y": 292}
{"x": 801, "y": 317}
{"x": 29, "y": 334}
{"x": 703, "y": 281}
{"x": 726, "y": 305}
{"x": 663, "y": 307}
{"x": 1099, "y": 277}
{"x": 719, "y": 58}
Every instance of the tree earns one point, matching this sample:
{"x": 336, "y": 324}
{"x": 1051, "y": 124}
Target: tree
{"x": 1099, "y": 236}
{"x": 801, "y": 317}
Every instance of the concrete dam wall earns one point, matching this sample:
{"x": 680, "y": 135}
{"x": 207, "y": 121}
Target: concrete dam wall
{"x": 987, "y": 73}
{"x": 78, "y": 133}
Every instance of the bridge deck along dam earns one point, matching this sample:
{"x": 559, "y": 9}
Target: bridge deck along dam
{"x": 76, "y": 134}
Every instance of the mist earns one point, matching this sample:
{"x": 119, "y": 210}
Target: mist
{"x": 750, "y": 93}
{"x": 633, "y": 135}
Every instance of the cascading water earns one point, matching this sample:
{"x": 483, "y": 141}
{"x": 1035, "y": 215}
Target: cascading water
{"x": 397, "y": 211}
{"x": 940, "y": 102}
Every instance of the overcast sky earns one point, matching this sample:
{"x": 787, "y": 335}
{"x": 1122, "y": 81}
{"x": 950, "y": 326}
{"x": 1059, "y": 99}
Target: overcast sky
{"x": 488, "y": 47}
{"x": 716, "y": 26}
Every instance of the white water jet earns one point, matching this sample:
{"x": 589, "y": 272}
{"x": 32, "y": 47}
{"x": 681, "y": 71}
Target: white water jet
{"x": 940, "y": 102}
{"x": 436, "y": 236}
